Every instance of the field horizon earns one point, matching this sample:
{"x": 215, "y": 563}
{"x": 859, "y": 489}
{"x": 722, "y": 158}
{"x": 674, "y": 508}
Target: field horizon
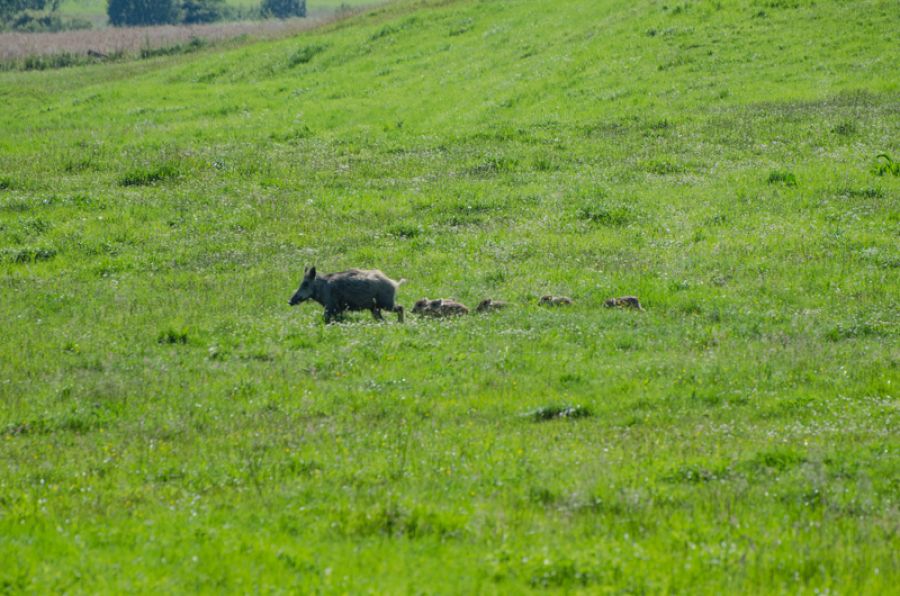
{"x": 169, "y": 423}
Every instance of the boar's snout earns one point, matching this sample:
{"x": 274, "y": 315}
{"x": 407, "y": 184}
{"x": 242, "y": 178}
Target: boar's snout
{"x": 300, "y": 295}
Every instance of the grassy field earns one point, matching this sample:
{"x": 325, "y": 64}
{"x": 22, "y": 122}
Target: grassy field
{"x": 168, "y": 423}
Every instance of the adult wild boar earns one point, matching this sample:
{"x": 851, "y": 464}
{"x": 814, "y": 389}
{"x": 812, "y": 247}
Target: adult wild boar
{"x": 354, "y": 289}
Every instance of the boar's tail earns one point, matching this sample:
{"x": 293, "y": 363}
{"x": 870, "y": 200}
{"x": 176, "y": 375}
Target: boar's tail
{"x": 402, "y": 281}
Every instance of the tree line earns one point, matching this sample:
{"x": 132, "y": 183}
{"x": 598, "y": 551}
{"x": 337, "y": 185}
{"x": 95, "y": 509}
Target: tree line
{"x": 130, "y": 13}
{"x": 43, "y": 15}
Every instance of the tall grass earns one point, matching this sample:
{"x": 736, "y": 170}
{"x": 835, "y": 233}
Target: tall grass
{"x": 38, "y": 51}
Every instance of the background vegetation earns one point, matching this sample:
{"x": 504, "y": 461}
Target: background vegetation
{"x": 167, "y": 422}
{"x": 59, "y": 15}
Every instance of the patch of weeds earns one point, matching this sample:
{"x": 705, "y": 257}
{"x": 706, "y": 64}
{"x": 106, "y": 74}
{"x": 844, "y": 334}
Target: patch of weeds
{"x": 403, "y": 230}
{"x": 216, "y": 353}
{"x": 571, "y": 379}
{"x": 388, "y": 30}
{"x": 15, "y": 206}
{"x": 27, "y": 254}
{"x": 812, "y": 498}
{"x": 782, "y": 177}
{"x": 776, "y": 459}
{"x": 34, "y": 226}
{"x": 561, "y": 574}
{"x": 603, "y": 213}
{"x": 663, "y": 167}
{"x": 541, "y": 496}
{"x": 554, "y": 412}
{"x": 392, "y": 519}
{"x": 145, "y": 176}
{"x": 855, "y": 329}
{"x": 16, "y": 429}
{"x": 173, "y": 336}
{"x": 78, "y": 420}
{"x": 695, "y": 474}
{"x": 885, "y": 165}
{"x": 462, "y": 26}
{"x": 305, "y": 54}
{"x": 680, "y": 60}
{"x": 545, "y": 164}
{"x": 291, "y": 136}
{"x": 195, "y": 44}
{"x": 79, "y": 164}
{"x": 59, "y": 60}
{"x": 659, "y": 125}
{"x": 793, "y": 408}
{"x": 384, "y": 32}
{"x": 864, "y": 193}
{"x": 254, "y": 355}
{"x": 845, "y": 128}
{"x": 493, "y": 166}
{"x": 299, "y": 467}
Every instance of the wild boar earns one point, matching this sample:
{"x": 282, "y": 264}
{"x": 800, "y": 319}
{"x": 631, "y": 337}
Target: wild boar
{"x": 441, "y": 307}
{"x": 555, "y": 300}
{"x": 624, "y": 302}
{"x": 490, "y": 304}
{"x": 354, "y": 289}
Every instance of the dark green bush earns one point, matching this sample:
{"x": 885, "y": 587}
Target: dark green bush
{"x": 202, "y": 11}
{"x": 141, "y": 12}
{"x": 284, "y": 9}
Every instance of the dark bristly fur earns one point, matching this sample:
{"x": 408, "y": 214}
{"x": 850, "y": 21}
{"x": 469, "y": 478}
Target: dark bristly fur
{"x": 354, "y": 289}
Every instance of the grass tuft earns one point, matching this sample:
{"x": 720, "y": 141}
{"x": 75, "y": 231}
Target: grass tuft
{"x": 146, "y": 176}
{"x": 782, "y": 177}
{"x": 885, "y": 165}
{"x": 556, "y": 412}
{"x": 173, "y": 336}
{"x": 305, "y": 54}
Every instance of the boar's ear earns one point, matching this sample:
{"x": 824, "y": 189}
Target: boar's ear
{"x": 311, "y": 274}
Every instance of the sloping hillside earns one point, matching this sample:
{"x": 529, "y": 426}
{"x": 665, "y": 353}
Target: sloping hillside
{"x": 168, "y": 422}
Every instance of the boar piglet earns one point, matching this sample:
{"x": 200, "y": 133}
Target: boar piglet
{"x": 624, "y": 302}
{"x": 441, "y": 307}
{"x": 490, "y": 304}
{"x": 354, "y": 289}
{"x": 555, "y": 300}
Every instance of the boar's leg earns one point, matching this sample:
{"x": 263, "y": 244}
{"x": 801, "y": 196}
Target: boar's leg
{"x": 399, "y": 310}
{"x": 377, "y": 313}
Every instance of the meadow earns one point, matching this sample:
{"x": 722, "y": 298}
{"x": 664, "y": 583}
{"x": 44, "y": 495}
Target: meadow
{"x": 169, "y": 423}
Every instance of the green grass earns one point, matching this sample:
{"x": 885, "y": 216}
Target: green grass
{"x": 168, "y": 423}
